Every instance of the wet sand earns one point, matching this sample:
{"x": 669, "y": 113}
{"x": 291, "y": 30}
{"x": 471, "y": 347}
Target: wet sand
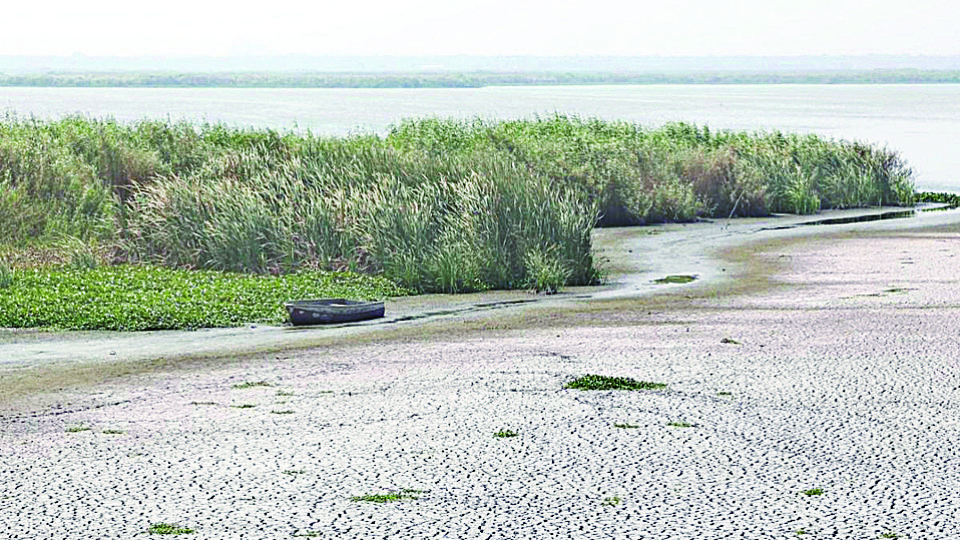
{"x": 804, "y": 357}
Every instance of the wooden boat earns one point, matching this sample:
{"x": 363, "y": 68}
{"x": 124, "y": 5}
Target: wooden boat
{"x": 332, "y": 310}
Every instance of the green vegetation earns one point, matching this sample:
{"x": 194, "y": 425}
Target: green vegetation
{"x": 504, "y": 433}
{"x": 6, "y": 276}
{"x": 813, "y": 491}
{"x": 216, "y": 198}
{"x": 168, "y": 528}
{"x": 601, "y": 382}
{"x": 435, "y": 206}
{"x": 141, "y": 297}
{"x": 951, "y": 199}
{"x": 611, "y": 501}
{"x": 626, "y": 426}
{"x": 403, "y": 494}
{"x": 283, "y": 411}
{"x": 114, "y": 432}
{"x": 77, "y": 429}
{"x": 244, "y": 406}
{"x": 676, "y": 279}
{"x": 681, "y": 424}
{"x": 889, "y": 534}
{"x": 679, "y": 171}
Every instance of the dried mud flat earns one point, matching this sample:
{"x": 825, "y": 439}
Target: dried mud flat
{"x": 813, "y": 390}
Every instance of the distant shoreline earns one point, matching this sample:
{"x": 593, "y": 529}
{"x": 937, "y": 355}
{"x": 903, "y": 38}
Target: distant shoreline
{"x": 466, "y": 79}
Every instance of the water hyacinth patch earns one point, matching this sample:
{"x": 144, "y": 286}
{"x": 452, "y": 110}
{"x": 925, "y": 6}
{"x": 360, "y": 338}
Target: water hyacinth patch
{"x": 134, "y": 297}
{"x": 392, "y": 496}
{"x": 169, "y": 528}
{"x": 602, "y": 382}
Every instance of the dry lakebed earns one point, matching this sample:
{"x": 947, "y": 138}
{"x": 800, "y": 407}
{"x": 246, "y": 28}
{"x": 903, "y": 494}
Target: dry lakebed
{"x": 809, "y": 388}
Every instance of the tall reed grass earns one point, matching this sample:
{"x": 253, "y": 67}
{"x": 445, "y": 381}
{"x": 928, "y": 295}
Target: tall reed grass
{"x": 431, "y": 223}
{"x": 436, "y": 205}
{"x": 680, "y": 171}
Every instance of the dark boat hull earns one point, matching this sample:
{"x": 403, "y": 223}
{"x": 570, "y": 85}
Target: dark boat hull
{"x": 333, "y": 310}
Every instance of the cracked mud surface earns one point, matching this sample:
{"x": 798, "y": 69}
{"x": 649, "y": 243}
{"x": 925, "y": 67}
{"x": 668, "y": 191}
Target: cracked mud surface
{"x": 827, "y": 361}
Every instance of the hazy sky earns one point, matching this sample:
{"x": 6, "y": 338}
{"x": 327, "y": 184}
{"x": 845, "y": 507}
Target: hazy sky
{"x": 488, "y": 27}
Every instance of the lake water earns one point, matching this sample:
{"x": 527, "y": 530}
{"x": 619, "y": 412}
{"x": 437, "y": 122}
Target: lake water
{"x": 922, "y": 122}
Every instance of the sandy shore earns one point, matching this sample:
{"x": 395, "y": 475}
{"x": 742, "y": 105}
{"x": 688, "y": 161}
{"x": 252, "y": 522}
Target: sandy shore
{"x": 804, "y": 357}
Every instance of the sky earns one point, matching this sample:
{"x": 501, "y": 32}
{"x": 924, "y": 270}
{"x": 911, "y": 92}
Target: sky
{"x": 182, "y": 28}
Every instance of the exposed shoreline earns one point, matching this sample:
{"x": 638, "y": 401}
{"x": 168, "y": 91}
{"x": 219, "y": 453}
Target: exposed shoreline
{"x": 813, "y": 385}
{"x": 717, "y": 253}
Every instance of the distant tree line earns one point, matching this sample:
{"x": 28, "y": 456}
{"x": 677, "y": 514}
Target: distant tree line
{"x": 464, "y": 79}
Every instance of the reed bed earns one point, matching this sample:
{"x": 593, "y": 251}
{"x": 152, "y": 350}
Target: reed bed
{"x": 436, "y": 205}
{"x": 679, "y": 172}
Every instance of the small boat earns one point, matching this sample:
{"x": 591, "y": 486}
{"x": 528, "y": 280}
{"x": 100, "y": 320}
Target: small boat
{"x": 332, "y": 310}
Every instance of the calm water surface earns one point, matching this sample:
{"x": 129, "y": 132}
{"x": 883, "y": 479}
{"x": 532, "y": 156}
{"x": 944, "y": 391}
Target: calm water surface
{"x": 920, "y": 121}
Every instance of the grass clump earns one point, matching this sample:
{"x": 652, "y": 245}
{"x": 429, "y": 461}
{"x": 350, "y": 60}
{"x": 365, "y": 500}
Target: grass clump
{"x": 393, "y": 496}
{"x": 114, "y": 432}
{"x": 626, "y": 426}
{"x": 601, "y": 382}
{"x": 505, "y": 433}
{"x": 681, "y": 424}
{"x": 611, "y": 501}
{"x": 546, "y": 272}
{"x": 6, "y": 276}
{"x": 812, "y": 492}
{"x": 77, "y": 429}
{"x": 168, "y": 528}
